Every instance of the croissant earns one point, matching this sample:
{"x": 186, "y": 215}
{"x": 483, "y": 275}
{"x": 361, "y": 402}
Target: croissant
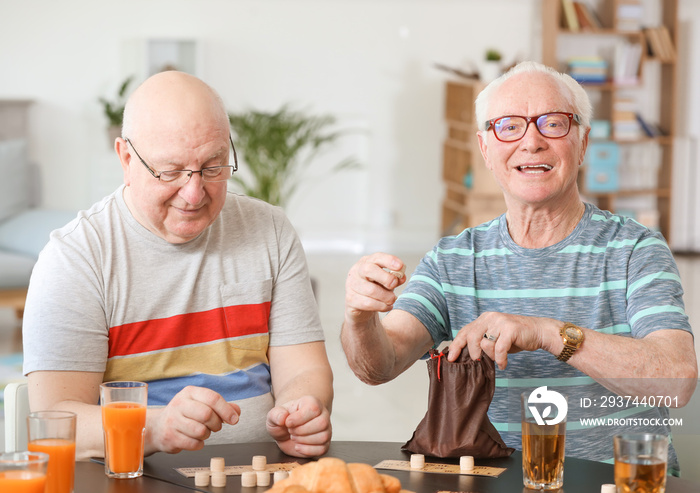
{"x": 330, "y": 475}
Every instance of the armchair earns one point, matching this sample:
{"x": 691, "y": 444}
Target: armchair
{"x": 24, "y": 228}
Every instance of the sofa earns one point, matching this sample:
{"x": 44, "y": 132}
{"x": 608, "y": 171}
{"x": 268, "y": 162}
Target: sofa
{"x": 24, "y": 227}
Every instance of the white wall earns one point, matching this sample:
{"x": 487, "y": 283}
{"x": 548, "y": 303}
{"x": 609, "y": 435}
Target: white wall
{"x": 368, "y": 62}
{"x": 686, "y": 179}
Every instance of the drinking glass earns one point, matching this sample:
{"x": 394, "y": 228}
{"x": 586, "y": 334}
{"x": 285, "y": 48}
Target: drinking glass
{"x": 53, "y": 432}
{"x": 23, "y": 472}
{"x": 543, "y": 445}
{"x": 640, "y": 462}
{"x": 124, "y": 425}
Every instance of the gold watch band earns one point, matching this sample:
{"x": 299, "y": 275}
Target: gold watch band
{"x": 566, "y": 353}
{"x": 573, "y": 337}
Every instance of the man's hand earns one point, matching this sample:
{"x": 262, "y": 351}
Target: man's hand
{"x": 369, "y": 287}
{"x": 378, "y": 350}
{"x": 301, "y": 427}
{"x": 507, "y": 334}
{"x": 188, "y": 419}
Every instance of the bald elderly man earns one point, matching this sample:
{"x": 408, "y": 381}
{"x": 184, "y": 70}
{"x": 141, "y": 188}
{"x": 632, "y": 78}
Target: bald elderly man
{"x": 175, "y": 281}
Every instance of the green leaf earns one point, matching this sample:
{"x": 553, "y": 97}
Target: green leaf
{"x": 114, "y": 110}
{"x": 277, "y": 147}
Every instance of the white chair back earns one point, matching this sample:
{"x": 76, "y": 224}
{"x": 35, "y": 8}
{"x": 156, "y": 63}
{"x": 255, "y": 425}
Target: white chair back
{"x": 16, "y": 411}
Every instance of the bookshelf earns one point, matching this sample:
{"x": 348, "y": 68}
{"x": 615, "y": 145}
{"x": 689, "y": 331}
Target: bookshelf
{"x": 472, "y": 195}
{"x": 647, "y": 29}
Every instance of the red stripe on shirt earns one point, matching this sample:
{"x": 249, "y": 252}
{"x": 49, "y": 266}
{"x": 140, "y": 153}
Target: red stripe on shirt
{"x": 188, "y": 329}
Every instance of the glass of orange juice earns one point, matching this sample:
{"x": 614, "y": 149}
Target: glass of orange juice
{"x": 53, "y": 432}
{"x": 23, "y": 472}
{"x": 124, "y": 425}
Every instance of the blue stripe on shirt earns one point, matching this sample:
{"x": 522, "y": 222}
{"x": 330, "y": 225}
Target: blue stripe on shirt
{"x": 233, "y": 386}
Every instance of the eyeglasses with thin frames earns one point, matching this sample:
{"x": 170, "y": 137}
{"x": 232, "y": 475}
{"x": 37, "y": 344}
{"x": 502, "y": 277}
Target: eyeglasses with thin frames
{"x": 180, "y": 177}
{"x": 511, "y": 128}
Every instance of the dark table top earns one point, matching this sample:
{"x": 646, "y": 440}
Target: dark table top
{"x": 160, "y": 476}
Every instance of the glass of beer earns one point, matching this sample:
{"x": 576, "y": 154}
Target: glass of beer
{"x": 53, "y": 432}
{"x": 544, "y": 437}
{"x": 124, "y": 425}
{"x": 640, "y": 462}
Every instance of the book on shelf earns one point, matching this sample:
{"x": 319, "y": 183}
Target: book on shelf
{"x": 569, "y": 18}
{"x": 667, "y": 44}
{"x": 583, "y": 21}
{"x": 625, "y": 124}
{"x": 660, "y": 43}
{"x": 649, "y": 128}
{"x": 628, "y": 15}
{"x": 628, "y": 57}
{"x": 623, "y": 115}
{"x": 639, "y": 166}
{"x": 587, "y": 19}
{"x": 653, "y": 38}
{"x": 625, "y": 104}
{"x": 627, "y": 130}
{"x": 588, "y": 69}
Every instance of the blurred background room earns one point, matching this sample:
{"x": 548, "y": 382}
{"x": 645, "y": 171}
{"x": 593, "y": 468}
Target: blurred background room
{"x": 390, "y": 73}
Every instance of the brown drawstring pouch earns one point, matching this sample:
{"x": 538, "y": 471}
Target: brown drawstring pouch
{"x": 456, "y": 422}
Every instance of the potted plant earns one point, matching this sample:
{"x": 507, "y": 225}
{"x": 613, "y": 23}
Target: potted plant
{"x": 114, "y": 110}
{"x": 277, "y": 147}
{"x": 492, "y": 65}
{"x": 493, "y": 55}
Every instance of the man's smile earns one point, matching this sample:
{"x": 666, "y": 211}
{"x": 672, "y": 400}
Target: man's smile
{"x": 534, "y": 168}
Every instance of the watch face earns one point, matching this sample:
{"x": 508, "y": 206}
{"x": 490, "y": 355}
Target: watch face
{"x": 574, "y": 334}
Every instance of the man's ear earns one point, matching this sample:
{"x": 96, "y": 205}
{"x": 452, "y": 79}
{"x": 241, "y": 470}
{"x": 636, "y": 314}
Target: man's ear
{"x": 584, "y": 146}
{"x": 483, "y": 147}
{"x": 122, "y": 150}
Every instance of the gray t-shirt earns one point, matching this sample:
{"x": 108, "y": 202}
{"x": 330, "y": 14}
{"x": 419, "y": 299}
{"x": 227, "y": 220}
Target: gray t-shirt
{"x": 611, "y": 274}
{"x": 107, "y": 295}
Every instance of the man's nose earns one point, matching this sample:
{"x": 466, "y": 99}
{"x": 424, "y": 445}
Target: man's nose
{"x": 193, "y": 190}
{"x": 533, "y": 129}
{"x": 532, "y": 135}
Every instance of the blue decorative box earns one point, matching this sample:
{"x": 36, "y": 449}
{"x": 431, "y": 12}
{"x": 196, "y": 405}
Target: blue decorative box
{"x": 603, "y": 162}
{"x": 600, "y": 129}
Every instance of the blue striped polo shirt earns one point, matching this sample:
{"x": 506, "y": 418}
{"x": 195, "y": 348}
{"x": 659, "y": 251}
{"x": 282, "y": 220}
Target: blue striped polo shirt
{"x": 611, "y": 274}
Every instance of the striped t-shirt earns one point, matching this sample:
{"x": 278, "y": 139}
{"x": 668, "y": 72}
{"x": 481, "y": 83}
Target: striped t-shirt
{"x": 109, "y": 296}
{"x": 611, "y": 274}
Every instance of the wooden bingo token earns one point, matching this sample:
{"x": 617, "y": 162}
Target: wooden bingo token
{"x": 218, "y": 479}
{"x": 259, "y": 463}
{"x": 201, "y": 478}
{"x": 249, "y": 479}
{"x": 216, "y": 464}
{"x": 466, "y": 463}
{"x": 263, "y": 478}
{"x": 280, "y": 475}
{"x": 417, "y": 461}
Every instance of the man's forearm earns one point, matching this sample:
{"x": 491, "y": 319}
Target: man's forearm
{"x": 89, "y": 440}
{"x": 369, "y": 351}
{"x": 301, "y": 370}
{"x": 73, "y": 391}
{"x": 315, "y": 382}
{"x": 660, "y": 366}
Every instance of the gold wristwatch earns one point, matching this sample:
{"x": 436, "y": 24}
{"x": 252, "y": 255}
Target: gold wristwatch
{"x": 572, "y": 336}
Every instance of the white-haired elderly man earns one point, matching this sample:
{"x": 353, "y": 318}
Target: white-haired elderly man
{"x": 556, "y": 291}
